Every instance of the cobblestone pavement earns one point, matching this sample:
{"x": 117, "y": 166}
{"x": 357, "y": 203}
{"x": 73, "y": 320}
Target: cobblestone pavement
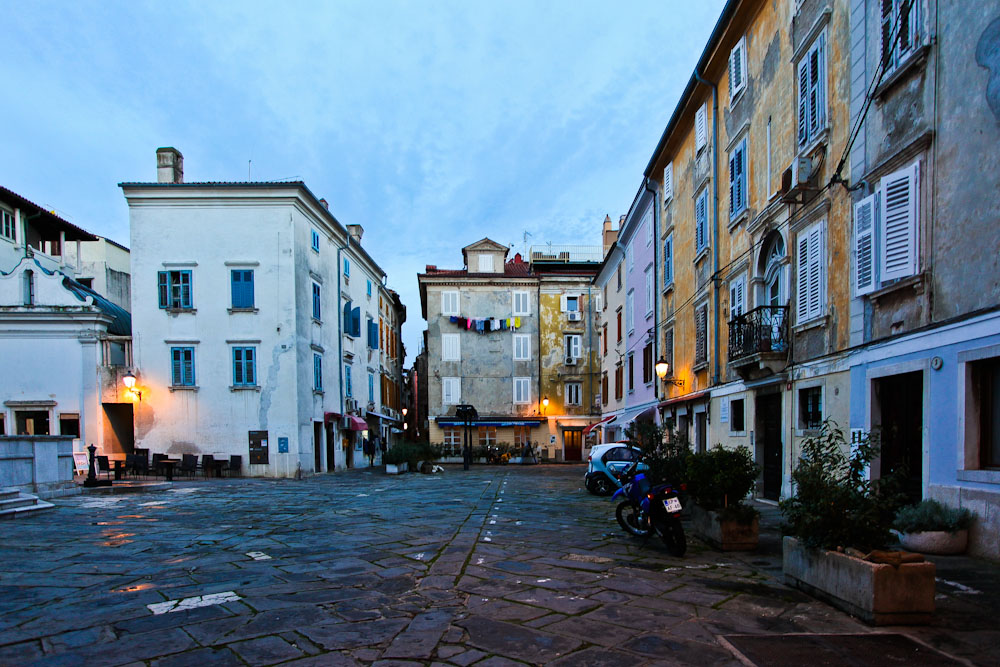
{"x": 495, "y": 566}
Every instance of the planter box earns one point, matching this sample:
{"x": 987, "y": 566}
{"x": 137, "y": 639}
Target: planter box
{"x": 395, "y": 468}
{"x": 724, "y": 536}
{"x": 877, "y": 593}
{"x": 935, "y": 542}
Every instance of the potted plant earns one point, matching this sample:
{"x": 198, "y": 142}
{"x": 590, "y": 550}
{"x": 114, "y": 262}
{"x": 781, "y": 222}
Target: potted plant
{"x": 834, "y": 526}
{"x": 932, "y": 528}
{"x": 719, "y": 480}
{"x": 397, "y": 459}
{"x": 663, "y": 450}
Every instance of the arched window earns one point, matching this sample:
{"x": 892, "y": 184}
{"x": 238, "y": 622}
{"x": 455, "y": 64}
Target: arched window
{"x": 771, "y": 265}
{"x": 29, "y": 288}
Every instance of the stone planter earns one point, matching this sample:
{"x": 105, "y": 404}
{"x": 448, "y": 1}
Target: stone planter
{"x": 877, "y": 593}
{"x": 935, "y": 542}
{"x": 723, "y": 535}
{"x": 396, "y": 468}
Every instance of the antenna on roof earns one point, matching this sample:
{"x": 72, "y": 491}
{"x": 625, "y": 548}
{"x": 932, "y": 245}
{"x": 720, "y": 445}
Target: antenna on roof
{"x": 249, "y": 162}
{"x": 526, "y": 236}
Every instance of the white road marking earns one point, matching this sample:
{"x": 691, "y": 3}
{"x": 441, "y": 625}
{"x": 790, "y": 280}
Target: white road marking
{"x": 258, "y": 555}
{"x": 961, "y": 587}
{"x": 153, "y": 503}
{"x": 193, "y": 603}
{"x": 188, "y": 490}
{"x": 542, "y": 581}
{"x": 487, "y": 539}
{"x": 492, "y": 521}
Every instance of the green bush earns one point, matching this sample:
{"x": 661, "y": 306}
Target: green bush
{"x": 663, "y": 450}
{"x": 835, "y": 504}
{"x": 411, "y": 453}
{"x": 720, "y": 479}
{"x": 396, "y": 454}
{"x": 932, "y": 515}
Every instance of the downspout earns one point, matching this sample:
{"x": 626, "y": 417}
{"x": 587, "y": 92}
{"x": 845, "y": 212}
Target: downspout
{"x": 340, "y": 327}
{"x": 538, "y": 347}
{"x": 590, "y": 349}
{"x": 716, "y": 374}
{"x": 656, "y": 298}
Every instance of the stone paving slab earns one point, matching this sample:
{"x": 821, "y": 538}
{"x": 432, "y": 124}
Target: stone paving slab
{"x": 494, "y": 566}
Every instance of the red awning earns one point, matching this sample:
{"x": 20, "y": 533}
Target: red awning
{"x": 693, "y": 396}
{"x": 357, "y": 424}
{"x": 591, "y": 427}
{"x": 331, "y": 417}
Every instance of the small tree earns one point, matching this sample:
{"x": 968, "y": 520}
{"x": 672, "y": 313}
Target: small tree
{"x": 721, "y": 478}
{"x": 663, "y": 450}
{"x": 835, "y": 503}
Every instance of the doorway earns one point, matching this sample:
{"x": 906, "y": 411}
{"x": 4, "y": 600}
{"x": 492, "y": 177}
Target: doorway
{"x": 769, "y": 453}
{"x": 573, "y": 441}
{"x": 349, "y": 448}
{"x": 119, "y": 432}
{"x": 32, "y": 422}
{"x": 331, "y": 449}
{"x": 899, "y": 407}
{"x": 701, "y": 432}
{"x": 318, "y": 445}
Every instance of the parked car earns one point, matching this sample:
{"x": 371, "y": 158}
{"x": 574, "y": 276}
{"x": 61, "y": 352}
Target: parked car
{"x": 606, "y": 462}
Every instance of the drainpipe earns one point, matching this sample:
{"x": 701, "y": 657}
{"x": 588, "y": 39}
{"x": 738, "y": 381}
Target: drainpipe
{"x": 656, "y": 299}
{"x": 716, "y": 374}
{"x": 590, "y": 349}
{"x": 340, "y": 327}
{"x": 538, "y": 348}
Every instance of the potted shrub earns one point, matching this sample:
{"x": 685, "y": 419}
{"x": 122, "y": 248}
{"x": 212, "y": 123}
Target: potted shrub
{"x": 397, "y": 459}
{"x": 835, "y": 525}
{"x": 663, "y": 450}
{"x": 719, "y": 480}
{"x": 932, "y": 528}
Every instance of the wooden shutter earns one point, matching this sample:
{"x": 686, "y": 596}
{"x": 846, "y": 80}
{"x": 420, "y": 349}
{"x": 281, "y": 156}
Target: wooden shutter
{"x": 562, "y": 303}
{"x": 668, "y": 182}
{"x": 898, "y": 224}
{"x": 238, "y": 366}
{"x": 701, "y": 220}
{"x": 249, "y": 366}
{"x": 668, "y": 349}
{"x": 176, "y": 377}
{"x": 736, "y": 297}
{"x": 185, "y": 282}
{"x": 668, "y": 261}
{"x": 803, "y": 99}
{"x": 887, "y": 26}
{"x": 187, "y": 365}
{"x": 163, "y": 288}
{"x": 737, "y": 68}
{"x": 816, "y": 256}
{"x": 864, "y": 245}
{"x": 700, "y": 331}
{"x": 737, "y": 179}
{"x": 802, "y": 277}
{"x": 700, "y": 126}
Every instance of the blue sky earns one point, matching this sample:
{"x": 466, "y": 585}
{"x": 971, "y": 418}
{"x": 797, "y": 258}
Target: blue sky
{"x": 432, "y": 124}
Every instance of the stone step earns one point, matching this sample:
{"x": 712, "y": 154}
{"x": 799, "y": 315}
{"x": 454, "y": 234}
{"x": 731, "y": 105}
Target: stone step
{"x": 18, "y": 512}
{"x": 6, "y": 493}
{"x": 17, "y": 501}
{"x": 20, "y": 504}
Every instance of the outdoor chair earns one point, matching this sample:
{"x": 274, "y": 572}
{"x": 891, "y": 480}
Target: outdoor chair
{"x": 103, "y": 466}
{"x": 235, "y": 466}
{"x": 189, "y": 464}
{"x": 207, "y": 465}
{"x": 140, "y": 462}
{"x": 157, "y": 468}
{"x": 130, "y": 464}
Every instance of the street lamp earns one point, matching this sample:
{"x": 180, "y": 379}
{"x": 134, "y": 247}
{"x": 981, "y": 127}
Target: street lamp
{"x": 662, "y": 368}
{"x": 405, "y": 411}
{"x": 129, "y": 381}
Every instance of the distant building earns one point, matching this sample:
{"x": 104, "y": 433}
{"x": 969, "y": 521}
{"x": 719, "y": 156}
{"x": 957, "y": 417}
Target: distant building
{"x": 105, "y": 267}
{"x": 265, "y": 326}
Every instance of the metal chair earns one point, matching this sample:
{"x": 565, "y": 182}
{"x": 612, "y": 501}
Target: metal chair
{"x": 189, "y": 464}
{"x": 235, "y": 466}
{"x": 103, "y": 466}
{"x": 207, "y": 465}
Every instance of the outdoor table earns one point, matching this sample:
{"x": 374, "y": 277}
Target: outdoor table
{"x": 119, "y": 470}
{"x": 168, "y": 468}
{"x": 217, "y": 467}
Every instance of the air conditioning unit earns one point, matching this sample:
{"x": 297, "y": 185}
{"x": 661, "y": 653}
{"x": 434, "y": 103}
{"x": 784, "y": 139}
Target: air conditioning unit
{"x": 574, "y": 316}
{"x": 796, "y": 175}
{"x": 345, "y": 423}
{"x": 350, "y": 404}
{"x": 570, "y": 361}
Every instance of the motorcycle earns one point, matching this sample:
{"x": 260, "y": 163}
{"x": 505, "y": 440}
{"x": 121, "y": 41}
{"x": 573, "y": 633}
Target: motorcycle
{"x": 645, "y": 509}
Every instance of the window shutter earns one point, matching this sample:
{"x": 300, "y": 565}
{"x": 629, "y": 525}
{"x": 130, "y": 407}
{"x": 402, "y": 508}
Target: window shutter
{"x": 356, "y": 321}
{"x": 668, "y": 261}
{"x": 802, "y": 277}
{"x": 163, "y": 288}
{"x": 249, "y": 362}
{"x": 237, "y": 366}
{"x": 668, "y": 182}
{"x": 175, "y": 363}
{"x": 185, "y": 289}
{"x": 188, "y": 366}
{"x": 562, "y": 303}
{"x": 821, "y": 83}
{"x": 887, "y": 26}
{"x": 668, "y": 348}
{"x": 898, "y": 224}
{"x": 732, "y": 183}
{"x": 816, "y": 256}
{"x": 700, "y": 126}
{"x": 248, "y": 289}
{"x": 864, "y": 245}
{"x": 803, "y": 98}
{"x": 701, "y": 220}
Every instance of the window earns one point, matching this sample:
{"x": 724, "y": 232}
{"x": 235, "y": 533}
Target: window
{"x": 244, "y": 366}
{"x": 486, "y": 264}
{"x": 369, "y": 289}
{"x": 630, "y": 310}
{"x": 373, "y": 333}
{"x": 618, "y": 272}
{"x": 522, "y": 347}
{"x": 571, "y": 304}
{"x": 629, "y": 257}
{"x": 812, "y": 91}
{"x": 604, "y": 338}
{"x": 69, "y": 424}
{"x": 521, "y": 304}
{"x": 668, "y": 261}
{"x": 573, "y": 346}
{"x": 453, "y": 437}
{"x": 647, "y": 363}
{"x": 451, "y": 347}
{"x": 522, "y": 436}
{"x": 618, "y": 381}
{"x": 986, "y": 385}
{"x": 451, "y": 391}
{"x": 598, "y": 301}
{"x": 317, "y": 310}
{"x": 487, "y": 436}
{"x": 29, "y": 288}
{"x": 887, "y": 221}
{"x": 737, "y": 69}
{"x": 182, "y": 366}
{"x": 701, "y": 221}
{"x": 573, "y": 393}
{"x": 737, "y": 296}
{"x": 701, "y": 127}
{"x": 7, "y": 228}
{"x": 522, "y": 391}
{"x": 811, "y": 268}
{"x": 631, "y": 372}
{"x": 811, "y": 408}
{"x": 371, "y": 387}
{"x": 737, "y": 417}
{"x": 647, "y": 223}
{"x": 604, "y": 389}
{"x": 318, "y": 372}
{"x": 449, "y": 303}
{"x": 347, "y": 267}
{"x": 701, "y": 334}
{"x": 315, "y": 240}
{"x": 242, "y": 288}
{"x": 175, "y": 289}
{"x": 738, "y": 180}
{"x": 668, "y": 350}
{"x": 649, "y": 290}
{"x": 348, "y": 381}
{"x": 619, "y": 312}
{"x": 895, "y": 49}
{"x": 668, "y": 183}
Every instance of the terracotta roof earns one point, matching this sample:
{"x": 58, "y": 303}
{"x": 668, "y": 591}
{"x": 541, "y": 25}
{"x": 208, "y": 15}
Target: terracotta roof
{"x": 48, "y": 224}
{"x": 511, "y": 269}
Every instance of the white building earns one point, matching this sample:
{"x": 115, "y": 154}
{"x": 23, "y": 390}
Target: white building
{"x": 252, "y": 302}
{"x": 104, "y": 266}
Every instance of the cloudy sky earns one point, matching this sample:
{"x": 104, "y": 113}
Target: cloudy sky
{"x": 432, "y": 124}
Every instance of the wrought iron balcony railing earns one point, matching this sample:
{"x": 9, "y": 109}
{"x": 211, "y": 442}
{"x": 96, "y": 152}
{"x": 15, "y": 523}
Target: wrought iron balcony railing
{"x": 762, "y": 330}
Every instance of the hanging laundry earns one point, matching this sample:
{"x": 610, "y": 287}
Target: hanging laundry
{"x": 468, "y": 323}
{"x": 517, "y": 322}
{"x": 453, "y": 319}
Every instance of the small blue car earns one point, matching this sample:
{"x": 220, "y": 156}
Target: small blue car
{"x": 606, "y": 462}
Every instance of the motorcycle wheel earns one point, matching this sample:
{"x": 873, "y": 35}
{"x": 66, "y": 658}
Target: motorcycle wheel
{"x": 672, "y": 534}
{"x": 628, "y": 519}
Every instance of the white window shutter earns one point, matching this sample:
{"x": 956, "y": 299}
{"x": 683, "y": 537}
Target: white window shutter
{"x": 816, "y": 262}
{"x": 898, "y": 224}
{"x": 802, "y": 278}
{"x": 864, "y": 245}
{"x": 668, "y": 182}
{"x": 732, "y": 182}
{"x": 700, "y": 126}
{"x": 803, "y": 100}
{"x": 562, "y": 303}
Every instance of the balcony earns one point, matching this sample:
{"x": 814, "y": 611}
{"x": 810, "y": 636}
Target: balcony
{"x": 565, "y": 254}
{"x": 758, "y": 341}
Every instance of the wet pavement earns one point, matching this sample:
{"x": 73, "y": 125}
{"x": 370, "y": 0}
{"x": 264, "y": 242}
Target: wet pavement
{"x": 495, "y": 566}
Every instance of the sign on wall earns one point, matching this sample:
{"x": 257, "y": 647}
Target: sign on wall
{"x": 282, "y": 445}
{"x": 258, "y": 447}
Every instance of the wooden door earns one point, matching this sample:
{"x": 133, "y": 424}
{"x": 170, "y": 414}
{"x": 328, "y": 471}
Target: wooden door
{"x": 573, "y": 441}
{"x": 900, "y": 398}
{"x": 769, "y": 428}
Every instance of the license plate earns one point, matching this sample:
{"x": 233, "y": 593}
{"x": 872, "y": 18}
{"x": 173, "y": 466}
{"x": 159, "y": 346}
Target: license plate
{"x": 672, "y": 504}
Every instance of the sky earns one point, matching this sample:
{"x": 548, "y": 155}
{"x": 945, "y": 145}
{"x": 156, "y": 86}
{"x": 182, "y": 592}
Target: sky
{"x": 432, "y": 124}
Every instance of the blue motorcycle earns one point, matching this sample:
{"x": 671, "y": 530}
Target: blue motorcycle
{"x": 646, "y": 508}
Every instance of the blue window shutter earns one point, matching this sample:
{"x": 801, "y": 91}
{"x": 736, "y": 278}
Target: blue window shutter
{"x": 175, "y": 357}
{"x": 163, "y": 288}
{"x": 248, "y": 288}
{"x": 189, "y": 365}
{"x": 356, "y": 321}
{"x": 250, "y": 364}
{"x": 237, "y": 364}
{"x": 185, "y": 289}
{"x": 236, "y": 283}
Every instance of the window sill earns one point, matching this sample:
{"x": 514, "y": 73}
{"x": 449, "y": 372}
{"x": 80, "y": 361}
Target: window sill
{"x": 242, "y": 310}
{"x": 183, "y": 387}
{"x": 814, "y": 323}
{"x": 318, "y": 392}
{"x": 982, "y": 476}
{"x": 739, "y": 218}
{"x": 177, "y": 311}
{"x": 820, "y": 140}
{"x": 702, "y": 254}
{"x": 244, "y": 387}
{"x": 916, "y": 282}
{"x": 737, "y": 434}
{"x": 316, "y": 321}
{"x": 669, "y": 287}
{"x": 700, "y": 366}
{"x": 913, "y": 62}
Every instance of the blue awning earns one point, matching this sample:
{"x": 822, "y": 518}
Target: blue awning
{"x": 452, "y": 421}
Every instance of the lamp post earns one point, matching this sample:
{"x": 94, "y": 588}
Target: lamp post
{"x": 466, "y": 413}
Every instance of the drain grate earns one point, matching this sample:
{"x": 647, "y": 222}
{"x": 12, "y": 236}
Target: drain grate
{"x": 818, "y": 650}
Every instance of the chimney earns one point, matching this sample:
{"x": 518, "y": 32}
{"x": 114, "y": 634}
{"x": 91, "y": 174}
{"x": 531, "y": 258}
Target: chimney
{"x": 431, "y": 267}
{"x": 356, "y": 232}
{"x": 610, "y": 235}
{"x": 169, "y": 165}
{"x": 325, "y": 204}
